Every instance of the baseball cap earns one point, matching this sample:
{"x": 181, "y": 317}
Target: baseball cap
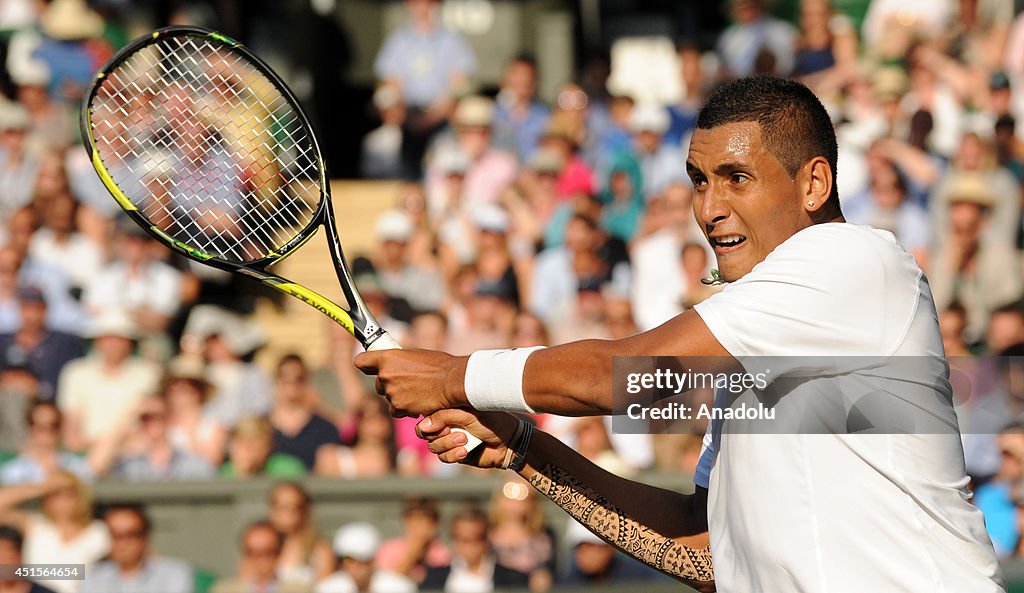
{"x": 394, "y": 225}
{"x": 490, "y": 217}
{"x": 649, "y": 118}
{"x": 358, "y": 540}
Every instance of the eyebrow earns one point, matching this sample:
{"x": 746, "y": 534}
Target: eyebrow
{"x": 722, "y": 169}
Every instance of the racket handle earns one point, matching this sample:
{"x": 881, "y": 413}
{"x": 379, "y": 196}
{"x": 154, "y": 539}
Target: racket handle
{"x": 386, "y": 342}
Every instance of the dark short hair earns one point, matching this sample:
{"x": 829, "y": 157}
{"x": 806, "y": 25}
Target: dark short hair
{"x": 135, "y": 509}
{"x": 421, "y": 504}
{"x": 795, "y": 127}
{"x": 9, "y": 533}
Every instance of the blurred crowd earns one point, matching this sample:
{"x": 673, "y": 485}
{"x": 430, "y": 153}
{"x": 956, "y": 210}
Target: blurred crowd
{"x": 518, "y": 222}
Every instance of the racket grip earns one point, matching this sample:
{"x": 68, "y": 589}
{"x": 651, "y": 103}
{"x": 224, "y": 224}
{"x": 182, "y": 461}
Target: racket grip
{"x": 386, "y": 342}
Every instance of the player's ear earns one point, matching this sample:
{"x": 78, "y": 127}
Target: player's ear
{"x": 814, "y": 183}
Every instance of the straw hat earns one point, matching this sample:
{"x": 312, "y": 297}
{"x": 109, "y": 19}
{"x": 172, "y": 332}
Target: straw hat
{"x": 71, "y": 20}
{"x": 970, "y": 188}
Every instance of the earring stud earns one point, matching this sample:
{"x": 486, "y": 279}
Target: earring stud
{"x": 810, "y": 203}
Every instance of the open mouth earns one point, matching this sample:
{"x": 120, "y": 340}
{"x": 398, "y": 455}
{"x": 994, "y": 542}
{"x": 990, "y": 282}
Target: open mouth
{"x": 727, "y": 242}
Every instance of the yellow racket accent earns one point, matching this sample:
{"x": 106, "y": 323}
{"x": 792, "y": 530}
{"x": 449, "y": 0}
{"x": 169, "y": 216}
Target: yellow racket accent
{"x": 318, "y": 302}
{"x": 108, "y": 181}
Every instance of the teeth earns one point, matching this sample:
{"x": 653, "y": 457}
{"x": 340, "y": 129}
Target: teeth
{"x": 730, "y": 240}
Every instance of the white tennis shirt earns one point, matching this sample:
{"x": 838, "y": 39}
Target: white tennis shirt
{"x": 840, "y": 513}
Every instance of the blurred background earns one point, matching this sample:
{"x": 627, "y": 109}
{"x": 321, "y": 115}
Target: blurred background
{"x": 506, "y": 173}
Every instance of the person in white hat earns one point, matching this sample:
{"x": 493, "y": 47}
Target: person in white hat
{"x": 355, "y": 546}
{"x": 20, "y": 166}
{"x": 97, "y": 391}
{"x": 421, "y": 287}
{"x": 489, "y": 169}
{"x": 659, "y": 162}
{"x": 71, "y": 31}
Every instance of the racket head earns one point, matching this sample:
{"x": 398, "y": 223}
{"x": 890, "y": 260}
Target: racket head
{"x": 204, "y": 146}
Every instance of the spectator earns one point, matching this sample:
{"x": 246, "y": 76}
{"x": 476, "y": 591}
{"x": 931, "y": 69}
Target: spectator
{"x": 428, "y": 63}
{"x": 519, "y": 118}
{"x": 519, "y": 534}
{"x": 575, "y": 175}
{"x": 421, "y": 287}
{"x": 227, "y": 341}
{"x": 305, "y": 556}
{"x": 694, "y": 262}
{"x": 382, "y": 148}
{"x": 59, "y": 244}
{"x": 826, "y": 45}
{"x": 70, "y": 48}
{"x": 593, "y": 562}
{"x": 251, "y": 453}
{"x": 41, "y": 452}
{"x": 1005, "y": 327}
{"x": 139, "y": 449}
{"x": 373, "y": 451}
{"x": 622, "y": 197}
{"x": 132, "y": 565}
{"x": 975, "y": 157}
{"x": 63, "y": 313}
{"x": 488, "y": 171}
{"x": 355, "y": 546}
{"x": 257, "y": 570}
{"x": 683, "y": 114}
{"x": 668, "y": 224}
{"x": 473, "y": 567}
{"x": 11, "y": 542}
{"x": 298, "y": 430}
{"x": 418, "y": 549}
{"x": 967, "y": 269}
{"x": 43, "y": 351}
{"x": 754, "y": 37}
{"x": 136, "y": 282}
{"x": 18, "y": 166}
{"x": 660, "y": 163}
{"x": 886, "y": 206}
{"x": 18, "y": 389}
{"x": 97, "y": 391}
{"x": 995, "y": 497}
{"x": 64, "y": 533}
{"x": 952, "y": 323}
{"x": 191, "y": 427}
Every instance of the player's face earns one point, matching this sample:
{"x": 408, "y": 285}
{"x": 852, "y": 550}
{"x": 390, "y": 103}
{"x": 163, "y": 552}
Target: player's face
{"x": 744, "y": 199}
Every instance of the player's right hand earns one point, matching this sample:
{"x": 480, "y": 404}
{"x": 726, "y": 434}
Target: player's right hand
{"x": 495, "y": 429}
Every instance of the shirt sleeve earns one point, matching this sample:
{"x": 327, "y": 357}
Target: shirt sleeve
{"x": 836, "y": 292}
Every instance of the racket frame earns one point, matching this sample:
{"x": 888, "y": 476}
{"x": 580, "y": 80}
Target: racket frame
{"x": 358, "y": 320}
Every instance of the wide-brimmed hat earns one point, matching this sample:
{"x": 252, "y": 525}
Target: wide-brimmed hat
{"x": 474, "y": 112}
{"x": 970, "y": 188}
{"x": 71, "y": 20}
{"x": 113, "y": 322}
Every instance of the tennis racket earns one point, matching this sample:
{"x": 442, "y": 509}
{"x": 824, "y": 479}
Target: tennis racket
{"x": 205, "y": 147}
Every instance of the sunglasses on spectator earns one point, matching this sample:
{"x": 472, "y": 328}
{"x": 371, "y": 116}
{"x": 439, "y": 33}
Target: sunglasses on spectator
{"x": 261, "y": 552}
{"x": 147, "y": 417}
{"x": 133, "y": 534}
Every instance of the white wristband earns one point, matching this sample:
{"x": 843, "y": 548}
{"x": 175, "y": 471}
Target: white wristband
{"x": 494, "y": 380}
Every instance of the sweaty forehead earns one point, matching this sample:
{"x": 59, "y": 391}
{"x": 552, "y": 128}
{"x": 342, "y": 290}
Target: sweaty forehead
{"x": 740, "y": 141}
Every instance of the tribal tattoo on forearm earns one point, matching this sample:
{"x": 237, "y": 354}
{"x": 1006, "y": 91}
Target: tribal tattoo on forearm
{"x": 610, "y": 523}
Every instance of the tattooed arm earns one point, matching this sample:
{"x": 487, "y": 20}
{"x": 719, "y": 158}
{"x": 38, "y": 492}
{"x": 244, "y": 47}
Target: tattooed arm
{"x": 664, "y": 529}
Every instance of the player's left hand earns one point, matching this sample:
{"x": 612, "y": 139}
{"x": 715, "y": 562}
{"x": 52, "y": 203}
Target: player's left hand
{"x": 416, "y": 382}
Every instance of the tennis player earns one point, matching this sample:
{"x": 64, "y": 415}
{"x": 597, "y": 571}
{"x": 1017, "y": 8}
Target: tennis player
{"x": 787, "y": 512}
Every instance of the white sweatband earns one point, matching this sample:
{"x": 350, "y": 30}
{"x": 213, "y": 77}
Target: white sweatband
{"x": 494, "y": 380}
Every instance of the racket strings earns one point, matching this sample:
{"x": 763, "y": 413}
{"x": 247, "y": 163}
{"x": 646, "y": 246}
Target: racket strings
{"x": 207, "y": 148}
